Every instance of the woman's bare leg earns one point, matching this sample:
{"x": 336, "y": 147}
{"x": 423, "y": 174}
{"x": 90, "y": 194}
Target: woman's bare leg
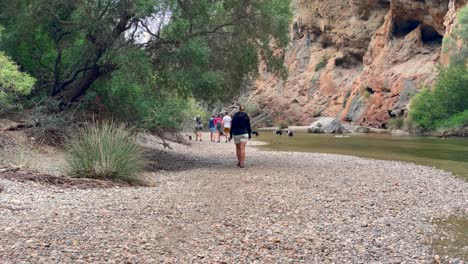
{"x": 242, "y": 153}
{"x": 238, "y": 151}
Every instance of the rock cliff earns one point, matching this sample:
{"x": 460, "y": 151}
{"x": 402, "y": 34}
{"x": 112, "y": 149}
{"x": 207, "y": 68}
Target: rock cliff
{"x": 358, "y": 60}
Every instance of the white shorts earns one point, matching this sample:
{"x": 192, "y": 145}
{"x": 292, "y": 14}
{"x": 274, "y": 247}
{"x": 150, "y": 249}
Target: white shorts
{"x": 241, "y": 138}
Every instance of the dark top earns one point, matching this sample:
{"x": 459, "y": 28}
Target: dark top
{"x": 198, "y": 123}
{"x": 211, "y": 123}
{"x": 241, "y": 124}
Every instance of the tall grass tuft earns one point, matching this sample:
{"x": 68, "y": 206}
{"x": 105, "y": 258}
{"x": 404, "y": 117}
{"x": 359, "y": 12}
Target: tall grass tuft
{"x": 105, "y": 151}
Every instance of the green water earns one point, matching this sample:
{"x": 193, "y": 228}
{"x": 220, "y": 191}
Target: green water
{"x": 450, "y": 154}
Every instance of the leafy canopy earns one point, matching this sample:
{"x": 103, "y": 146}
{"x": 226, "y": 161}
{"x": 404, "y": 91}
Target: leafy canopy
{"x": 13, "y": 83}
{"x": 135, "y": 56}
{"x": 202, "y": 48}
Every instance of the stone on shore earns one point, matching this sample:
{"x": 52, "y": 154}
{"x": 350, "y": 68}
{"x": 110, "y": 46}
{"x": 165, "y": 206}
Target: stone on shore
{"x": 327, "y": 125}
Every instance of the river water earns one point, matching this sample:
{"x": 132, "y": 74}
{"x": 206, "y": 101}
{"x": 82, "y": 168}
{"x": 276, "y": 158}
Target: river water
{"x": 450, "y": 154}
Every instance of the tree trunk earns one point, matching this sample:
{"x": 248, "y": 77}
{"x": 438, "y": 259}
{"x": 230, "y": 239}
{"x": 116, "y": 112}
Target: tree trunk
{"x": 76, "y": 86}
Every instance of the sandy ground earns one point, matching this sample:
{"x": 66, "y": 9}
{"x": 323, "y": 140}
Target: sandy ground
{"x": 283, "y": 207}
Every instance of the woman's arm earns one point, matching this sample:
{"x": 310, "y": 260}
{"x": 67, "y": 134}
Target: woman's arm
{"x": 249, "y": 128}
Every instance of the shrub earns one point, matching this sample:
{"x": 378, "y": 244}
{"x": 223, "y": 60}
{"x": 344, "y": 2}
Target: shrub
{"x": 321, "y": 65}
{"x": 250, "y": 107}
{"x": 105, "y": 151}
{"x": 448, "y": 98}
{"x": 13, "y": 83}
{"x": 50, "y": 125}
{"x": 282, "y": 125}
{"x": 395, "y": 123}
{"x": 366, "y": 94}
{"x": 457, "y": 121}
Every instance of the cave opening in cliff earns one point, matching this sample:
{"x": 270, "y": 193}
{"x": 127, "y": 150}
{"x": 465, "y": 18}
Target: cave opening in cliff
{"x": 402, "y": 27}
{"x": 349, "y": 60}
{"x": 430, "y": 36}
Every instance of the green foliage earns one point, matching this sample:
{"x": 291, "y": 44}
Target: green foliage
{"x": 395, "y": 123}
{"x": 366, "y": 94}
{"x": 13, "y": 83}
{"x": 130, "y": 96}
{"x": 127, "y": 66}
{"x": 457, "y": 121}
{"x": 431, "y": 109}
{"x": 205, "y": 49}
{"x": 321, "y": 64}
{"x": 105, "y": 151}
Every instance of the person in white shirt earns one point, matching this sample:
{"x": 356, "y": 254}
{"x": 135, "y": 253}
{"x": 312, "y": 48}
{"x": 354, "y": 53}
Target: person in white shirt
{"x": 227, "y": 120}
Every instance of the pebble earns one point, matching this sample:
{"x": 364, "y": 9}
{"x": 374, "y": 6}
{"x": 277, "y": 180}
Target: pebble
{"x": 284, "y": 207}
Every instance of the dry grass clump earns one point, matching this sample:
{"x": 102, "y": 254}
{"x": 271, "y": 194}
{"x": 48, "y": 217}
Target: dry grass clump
{"x": 105, "y": 151}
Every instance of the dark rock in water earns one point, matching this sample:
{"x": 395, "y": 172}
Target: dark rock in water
{"x": 255, "y": 133}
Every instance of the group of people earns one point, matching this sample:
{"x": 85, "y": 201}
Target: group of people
{"x": 236, "y": 128}
{"x": 220, "y": 127}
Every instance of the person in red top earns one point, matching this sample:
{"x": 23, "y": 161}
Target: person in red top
{"x": 219, "y": 126}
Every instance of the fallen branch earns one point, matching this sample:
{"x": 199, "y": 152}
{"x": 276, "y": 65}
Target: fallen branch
{"x": 18, "y": 127}
{"x": 10, "y": 169}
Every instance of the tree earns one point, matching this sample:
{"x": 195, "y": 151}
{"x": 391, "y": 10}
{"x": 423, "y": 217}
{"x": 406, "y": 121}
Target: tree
{"x": 12, "y": 82}
{"x": 200, "y": 48}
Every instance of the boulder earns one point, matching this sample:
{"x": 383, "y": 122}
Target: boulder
{"x": 398, "y": 132}
{"x": 362, "y": 129}
{"x": 328, "y": 125}
{"x": 315, "y": 130}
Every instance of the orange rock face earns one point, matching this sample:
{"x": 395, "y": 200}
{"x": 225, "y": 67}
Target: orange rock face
{"x": 358, "y": 60}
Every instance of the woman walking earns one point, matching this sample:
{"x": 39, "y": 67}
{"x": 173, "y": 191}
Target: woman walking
{"x": 227, "y": 126}
{"x": 241, "y": 132}
{"x": 212, "y": 127}
{"x": 219, "y": 126}
{"x": 198, "y": 128}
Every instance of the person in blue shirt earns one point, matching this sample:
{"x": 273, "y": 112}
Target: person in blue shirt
{"x": 212, "y": 128}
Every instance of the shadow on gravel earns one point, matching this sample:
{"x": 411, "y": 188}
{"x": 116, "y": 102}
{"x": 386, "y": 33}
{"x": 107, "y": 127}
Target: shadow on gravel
{"x": 172, "y": 161}
{"x": 62, "y": 182}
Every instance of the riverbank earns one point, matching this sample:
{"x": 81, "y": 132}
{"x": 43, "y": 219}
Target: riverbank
{"x": 454, "y": 132}
{"x": 450, "y": 154}
{"x": 283, "y": 207}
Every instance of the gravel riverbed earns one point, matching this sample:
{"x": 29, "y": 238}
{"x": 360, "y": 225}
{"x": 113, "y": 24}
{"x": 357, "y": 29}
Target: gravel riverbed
{"x": 284, "y": 207}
